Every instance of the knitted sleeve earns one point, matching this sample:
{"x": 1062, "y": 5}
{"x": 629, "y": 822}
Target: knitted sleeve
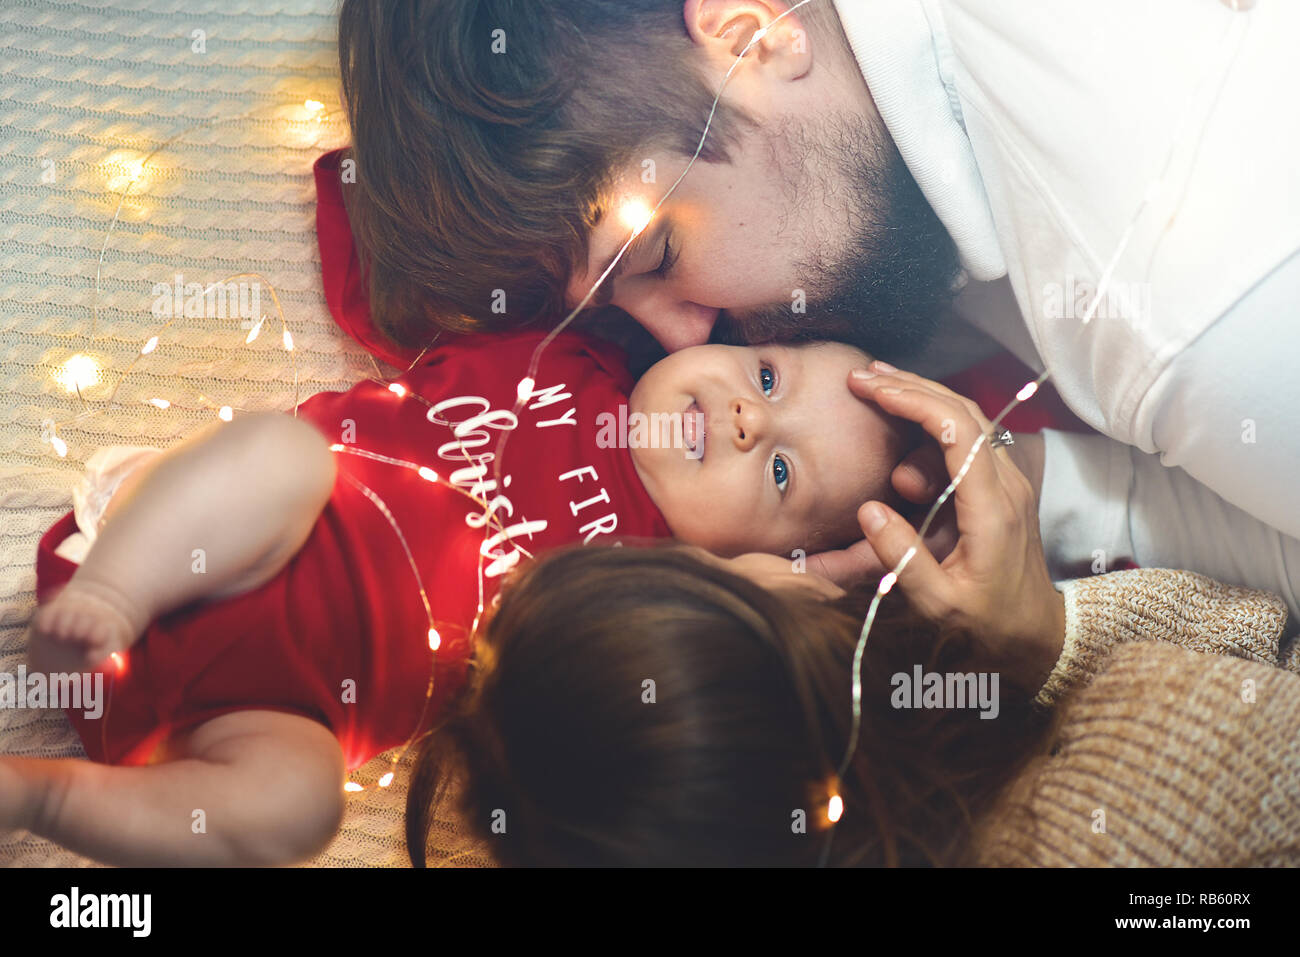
{"x": 1158, "y": 604}
{"x": 1167, "y": 758}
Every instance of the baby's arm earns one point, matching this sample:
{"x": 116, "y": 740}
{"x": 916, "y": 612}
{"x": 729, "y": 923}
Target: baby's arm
{"x": 218, "y": 514}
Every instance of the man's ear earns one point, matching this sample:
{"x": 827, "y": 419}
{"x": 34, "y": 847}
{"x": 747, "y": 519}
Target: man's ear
{"x": 723, "y": 28}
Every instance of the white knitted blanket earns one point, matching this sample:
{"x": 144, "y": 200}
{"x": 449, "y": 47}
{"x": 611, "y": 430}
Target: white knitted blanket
{"x": 87, "y": 89}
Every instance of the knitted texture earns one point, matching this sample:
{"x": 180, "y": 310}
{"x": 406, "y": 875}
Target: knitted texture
{"x": 1158, "y": 604}
{"x": 1165, "y": 755}
{"x": 1168, "y": 758}
{"x": 88, "y": 90}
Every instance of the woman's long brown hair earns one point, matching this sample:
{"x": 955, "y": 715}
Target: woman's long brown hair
{"x": 634, "y": 706}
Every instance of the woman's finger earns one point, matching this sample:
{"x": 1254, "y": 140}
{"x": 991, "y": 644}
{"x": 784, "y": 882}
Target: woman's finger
{"x": 891, "y": 537}
{"x": 981, "y": 490}
{"x": 921, "y": 475}
{"x": 882, "y": 368}
{"x": 847, "y": 567}
{"x": 910, "y": 380}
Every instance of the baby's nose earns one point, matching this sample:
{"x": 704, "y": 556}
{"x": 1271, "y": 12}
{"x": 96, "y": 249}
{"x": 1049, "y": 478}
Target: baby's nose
{"x": 748, "y": 423}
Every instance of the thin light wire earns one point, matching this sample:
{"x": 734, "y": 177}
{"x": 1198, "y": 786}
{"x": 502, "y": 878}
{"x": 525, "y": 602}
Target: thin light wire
{"x": 87, "y": 410}
{"x": 531, "y": 376}
{"x": 424, "y": 598}
{"x": 888, "y": 580}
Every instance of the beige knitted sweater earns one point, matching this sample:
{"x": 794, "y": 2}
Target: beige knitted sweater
{"x": 1165, "y": 755}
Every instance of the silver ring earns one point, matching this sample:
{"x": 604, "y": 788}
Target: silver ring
{"x": 1002, "y": 438}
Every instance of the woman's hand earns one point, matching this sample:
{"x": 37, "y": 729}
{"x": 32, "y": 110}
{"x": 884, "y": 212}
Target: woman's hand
{"x": 774, "y": 573}
{"x": 994, "y": 583}
{"x": 918, "y": 479}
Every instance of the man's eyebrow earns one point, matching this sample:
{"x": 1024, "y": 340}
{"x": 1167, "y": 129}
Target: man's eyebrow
{"x": 643, "y": 241}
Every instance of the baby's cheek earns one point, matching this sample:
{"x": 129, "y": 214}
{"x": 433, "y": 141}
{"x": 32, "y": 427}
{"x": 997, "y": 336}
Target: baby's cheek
{"x": 705, "y": 525}
{"x": 728, "y": 533}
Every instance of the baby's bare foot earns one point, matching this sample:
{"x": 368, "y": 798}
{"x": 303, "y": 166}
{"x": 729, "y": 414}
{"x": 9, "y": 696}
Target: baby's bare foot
{"x": 84, "y": 624}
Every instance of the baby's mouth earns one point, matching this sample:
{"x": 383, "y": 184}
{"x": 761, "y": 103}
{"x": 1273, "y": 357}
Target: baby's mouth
{"x": 693, "y": 430}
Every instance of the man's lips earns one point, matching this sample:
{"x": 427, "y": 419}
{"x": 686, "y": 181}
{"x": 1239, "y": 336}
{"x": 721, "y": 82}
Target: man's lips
{"x": 694, "y": 429}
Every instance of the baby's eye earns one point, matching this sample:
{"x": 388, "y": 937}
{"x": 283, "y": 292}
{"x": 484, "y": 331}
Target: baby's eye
{"x": 780, "y": 472}
{"x": 767, "y": 379}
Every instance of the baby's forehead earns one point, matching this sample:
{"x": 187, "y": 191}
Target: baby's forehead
{"x": 824, "y": 348}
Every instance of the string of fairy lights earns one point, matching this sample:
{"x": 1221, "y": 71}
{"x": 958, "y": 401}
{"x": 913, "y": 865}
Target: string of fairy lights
{"x": 636, "y": 216}
{"x": 82, "y": 370}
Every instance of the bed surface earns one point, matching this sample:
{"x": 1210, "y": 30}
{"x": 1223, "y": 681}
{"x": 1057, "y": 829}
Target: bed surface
{"x": 86, "y": 90}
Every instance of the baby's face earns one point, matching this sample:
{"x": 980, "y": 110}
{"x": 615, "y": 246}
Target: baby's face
{"x": 784, "y": 457}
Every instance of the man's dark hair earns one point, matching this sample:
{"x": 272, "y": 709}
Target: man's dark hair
{"x": 487, "y": 135}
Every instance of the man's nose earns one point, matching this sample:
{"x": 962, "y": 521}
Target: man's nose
{"x": 674, "y": 323}
{"x": 748, "y": 423}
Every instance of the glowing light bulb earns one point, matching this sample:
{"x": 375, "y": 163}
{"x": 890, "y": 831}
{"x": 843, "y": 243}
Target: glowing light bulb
{"x": 288, "y": 341}
{"x": 887, "y": 583}
{"x": 313, "y": 106}
{"x": 525, "y": 389}
{"x": 386, "y": 780}
{"x": 78, "y": 372}
{"x": 149, "y": 346}
{"x": 135, "y": 169}
{"x": 1027, "y": 391}
{"x": 118, "y": 660}
{"x": 161, "y": 403}
{"x": 252, "y": 334}
{"x": 225, "y": 414}
{"x": 397, "y": 389}
{"x": 758, "y": 35}
{"x": 336, "y": 447}
{"x": 635, "y": 215}
{"x": 435, "y": 639}
{"x": 353, "y": 786}
{"x": 835, "y": 808}
{"x": 428, "y": 474}
{"x": 59, "y": 446}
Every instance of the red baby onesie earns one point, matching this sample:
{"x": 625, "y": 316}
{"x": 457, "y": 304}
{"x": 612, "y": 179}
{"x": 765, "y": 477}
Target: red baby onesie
{"x": 341, "y": 634}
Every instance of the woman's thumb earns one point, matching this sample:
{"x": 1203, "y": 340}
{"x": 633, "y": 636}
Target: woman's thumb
{"x": 890, "y": 536}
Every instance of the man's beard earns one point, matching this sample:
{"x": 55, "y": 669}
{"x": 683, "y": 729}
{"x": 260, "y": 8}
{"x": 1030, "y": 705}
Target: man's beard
{"x": 888, "y": 293}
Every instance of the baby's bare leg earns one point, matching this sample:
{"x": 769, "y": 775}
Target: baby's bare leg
{"x": 247, "y": 788}
{"x": 220, "y": 513}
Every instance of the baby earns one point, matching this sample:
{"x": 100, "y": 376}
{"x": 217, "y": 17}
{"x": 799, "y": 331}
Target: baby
{"x": 259, "y": 597}
{"x": 783, "y": 455}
